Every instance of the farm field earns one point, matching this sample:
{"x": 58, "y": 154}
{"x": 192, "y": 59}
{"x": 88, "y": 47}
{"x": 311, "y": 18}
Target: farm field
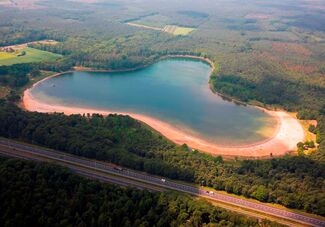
{"x": 5, "y": 55}
{"x": 31, "y": 55}
{"x": 171, "y": 29}
{"x": 177, "y": 30}
{"x": 160, "y": 22}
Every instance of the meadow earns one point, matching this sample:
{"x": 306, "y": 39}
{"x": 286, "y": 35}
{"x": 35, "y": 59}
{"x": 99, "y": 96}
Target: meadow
{"x": 159, "y": 22}
{"x": 177, "y": 30}
{"x": 27, "y": 55}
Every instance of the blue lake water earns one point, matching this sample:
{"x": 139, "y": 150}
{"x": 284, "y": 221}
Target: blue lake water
{"x": 174, "y": 90}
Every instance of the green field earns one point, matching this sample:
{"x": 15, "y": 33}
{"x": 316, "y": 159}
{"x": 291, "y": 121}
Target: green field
{"x": 177, "y": 30}
{"x": 5, "y": 56}
{"x": 171, "y": 29}
{"x": 164, "y": 23}
{"x": 32, "y": 55}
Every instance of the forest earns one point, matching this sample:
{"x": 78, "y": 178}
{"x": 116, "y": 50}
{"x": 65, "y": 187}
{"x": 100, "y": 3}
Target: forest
{"x": 307, "y": 100}
{"x": 276, "y": 59}
{"x": 293, "y": 181}
{"x": 18, "y": 75}
{"x": 15, "y": 76}
{"x": 35, "y": 194}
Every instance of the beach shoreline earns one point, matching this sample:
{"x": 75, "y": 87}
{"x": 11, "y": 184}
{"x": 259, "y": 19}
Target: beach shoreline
{"x": 288, "y": 133}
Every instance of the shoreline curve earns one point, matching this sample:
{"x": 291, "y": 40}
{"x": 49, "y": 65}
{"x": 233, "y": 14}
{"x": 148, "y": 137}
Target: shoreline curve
{"x": 288, "y": 134}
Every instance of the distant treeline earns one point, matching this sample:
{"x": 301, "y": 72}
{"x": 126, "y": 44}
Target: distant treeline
{"x": 34, "y": 194}
{"x": 296, "y": 182}
{"x": 126, "y": 52}
{"x": 28, "y": 36}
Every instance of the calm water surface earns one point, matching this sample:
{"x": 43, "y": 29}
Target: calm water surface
{"x": 175, "y": 91}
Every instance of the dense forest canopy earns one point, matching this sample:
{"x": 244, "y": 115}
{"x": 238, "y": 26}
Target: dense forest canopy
{"x": 296, "y": 182}
{"x": 46, "y": 195}
{"x": 271, "y": 52}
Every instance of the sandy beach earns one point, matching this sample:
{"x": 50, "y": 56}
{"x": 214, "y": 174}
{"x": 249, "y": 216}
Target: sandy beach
{"x": 288, "y": 134}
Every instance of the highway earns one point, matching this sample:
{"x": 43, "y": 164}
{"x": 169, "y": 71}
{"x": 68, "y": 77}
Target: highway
{"x": 117, "y": 175}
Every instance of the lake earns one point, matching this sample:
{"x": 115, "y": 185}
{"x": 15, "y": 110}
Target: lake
{"x": 175, "y": 91}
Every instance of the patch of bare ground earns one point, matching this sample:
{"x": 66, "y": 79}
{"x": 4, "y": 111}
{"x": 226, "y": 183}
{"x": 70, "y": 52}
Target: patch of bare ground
{"x": 24, "y": 45}
{"x": 144, "y": 26}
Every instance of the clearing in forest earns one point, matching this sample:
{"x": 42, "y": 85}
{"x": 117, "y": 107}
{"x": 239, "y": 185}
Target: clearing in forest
{"x": 26, "y": 55}
{"x": 171, "y": 29}
{"x": 177, "y": 30}
{"x": 5, "y": 55}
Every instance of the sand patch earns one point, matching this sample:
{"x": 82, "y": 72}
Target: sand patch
{"x": 25, "y": 45}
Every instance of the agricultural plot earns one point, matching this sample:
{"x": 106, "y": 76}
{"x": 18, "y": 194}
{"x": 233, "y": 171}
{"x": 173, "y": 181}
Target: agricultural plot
{"x": 159, "y": 22}
{"x": 5, "y": 55}
{"x": 27, "y": 55}
{"x": 177, "y": 30}
{"x": 171, "y": 29}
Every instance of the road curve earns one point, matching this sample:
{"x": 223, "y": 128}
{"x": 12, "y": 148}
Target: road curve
{"x": 86, "y": 167}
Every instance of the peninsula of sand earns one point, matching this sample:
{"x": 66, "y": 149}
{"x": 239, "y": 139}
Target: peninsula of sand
{"x": 288, "y": 134}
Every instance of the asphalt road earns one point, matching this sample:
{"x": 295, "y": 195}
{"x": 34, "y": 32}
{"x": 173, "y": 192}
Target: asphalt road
{"x": 126, "y": 177}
